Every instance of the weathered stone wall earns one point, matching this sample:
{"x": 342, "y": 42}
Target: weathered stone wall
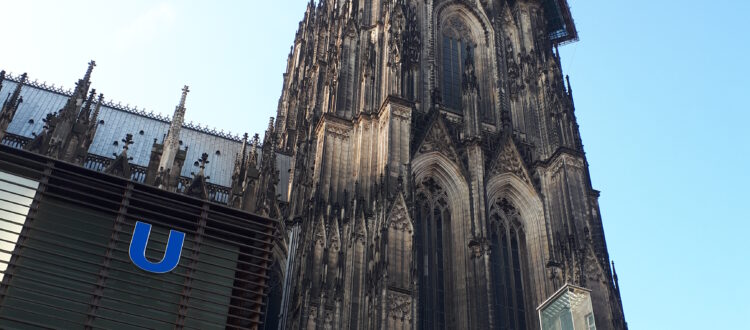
{"x": 362, "y": 115}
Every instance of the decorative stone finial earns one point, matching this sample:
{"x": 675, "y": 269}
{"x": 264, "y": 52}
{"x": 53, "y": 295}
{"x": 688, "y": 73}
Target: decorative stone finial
{"x": 203, "y": 161}
{"x": 185, "y": 90}
{"x": 127, "y": 141}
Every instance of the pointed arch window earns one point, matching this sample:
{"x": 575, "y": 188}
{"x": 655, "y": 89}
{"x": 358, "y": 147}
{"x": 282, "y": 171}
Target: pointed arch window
{"x": 453, "y": 53}
{"x": 508, "y": 264}
{"x": 433, "y": 232}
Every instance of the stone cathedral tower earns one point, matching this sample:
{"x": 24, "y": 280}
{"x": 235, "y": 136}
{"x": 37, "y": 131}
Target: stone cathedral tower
{"x": 438, "y": 179}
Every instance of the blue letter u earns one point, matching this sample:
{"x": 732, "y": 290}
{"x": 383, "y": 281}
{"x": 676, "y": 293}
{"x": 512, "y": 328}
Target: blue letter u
{"x": 138, "y": 249}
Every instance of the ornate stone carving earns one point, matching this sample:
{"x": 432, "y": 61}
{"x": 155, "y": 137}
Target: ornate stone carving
{"x": 320, "y": 233}
{"x": 479, "y": 246}
{"x": 456, "y": 28}
{"x": 506, "y": 207}
{"x": 412, "y": 39}
{"x": 438, "y": 139}
{"x": 337, "y": 132}
{"x": 515, "y": 83}
{"x": 399, "y": 306}
{"x": 469, "y": 81}
{"x": 334, "y": 243}
{"x": 401, "y": 114}
{"x": 510, "y": 161}
{"x": 369, "y": 59}
{"x": 399, "y": 218}
{"x": 360, "y": 230}
{"x": 396, "y": 41}
{"x": 565, "y": 160}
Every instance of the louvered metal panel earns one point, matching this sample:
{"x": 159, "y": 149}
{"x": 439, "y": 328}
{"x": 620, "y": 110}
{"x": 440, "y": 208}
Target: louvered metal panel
{"x": 64, "y": 238}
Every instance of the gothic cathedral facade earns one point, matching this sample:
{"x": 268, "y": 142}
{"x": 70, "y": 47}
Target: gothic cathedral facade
{"x": 438, "y": 179}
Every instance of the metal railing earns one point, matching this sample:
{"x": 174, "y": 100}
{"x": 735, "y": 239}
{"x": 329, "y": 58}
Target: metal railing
{"x": 15, "y": 141}
{"x": 216, "y": 193}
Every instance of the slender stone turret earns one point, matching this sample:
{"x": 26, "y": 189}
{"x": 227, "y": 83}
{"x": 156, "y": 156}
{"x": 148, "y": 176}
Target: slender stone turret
{"x": 238, "y": 175}
{"x": 266, "y": 189}
{"x": 85, "y": 129}
{"x": 78, "y": 141}
{"x": 172, "y": 141}
{"x": 85, "y": 115}
{"x": 75, "y": 101}
{"x": 167, "y": 158}
{"x": 60, "y": 135}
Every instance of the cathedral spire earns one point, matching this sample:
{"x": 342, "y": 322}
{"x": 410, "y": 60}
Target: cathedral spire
{"x": 92, "y": 123}
{"x": 87, "y": 76}
{"x": 89, "y": 125}
{"x": 11, "y": 104}
{"x": 82, "y": 88}
{"x": 254, "y": 150}
{"x": 60, "y": 133}
{"x": 172, "y": 141}
{"x": 83, "y": 131}
{"x": 85, "y": 114}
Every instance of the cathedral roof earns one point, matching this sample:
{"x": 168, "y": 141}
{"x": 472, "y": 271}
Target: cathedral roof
{"x": 115, "y": 121}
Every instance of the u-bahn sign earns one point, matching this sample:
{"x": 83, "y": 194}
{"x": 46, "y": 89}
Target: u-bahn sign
{"x": 172, "y": 252}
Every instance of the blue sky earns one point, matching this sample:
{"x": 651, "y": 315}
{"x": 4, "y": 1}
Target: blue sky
{"x": 232, "y": 54}
{"x": 660, "y": 87}
{"x": 661, "y": 93}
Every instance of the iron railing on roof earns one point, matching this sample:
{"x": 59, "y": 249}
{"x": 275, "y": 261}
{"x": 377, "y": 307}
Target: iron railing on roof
{"x": 216, "y": 193}
{"x": 15, "y": 141}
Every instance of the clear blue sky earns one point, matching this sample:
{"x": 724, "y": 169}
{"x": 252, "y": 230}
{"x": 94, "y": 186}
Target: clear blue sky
{"x": 661, "y": 92}
{"x": 660, "y": 87}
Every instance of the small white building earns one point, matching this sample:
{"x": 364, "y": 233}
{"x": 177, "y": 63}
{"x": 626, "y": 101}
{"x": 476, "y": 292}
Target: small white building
{"x": 568, "y": 309}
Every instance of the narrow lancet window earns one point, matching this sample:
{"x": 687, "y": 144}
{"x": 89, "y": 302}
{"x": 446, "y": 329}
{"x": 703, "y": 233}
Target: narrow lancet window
{"x": 455, "y": 42}
{"x": 508, "y": 267}
{"x": 432, "y": 247}
{"x": 453, "y": 54}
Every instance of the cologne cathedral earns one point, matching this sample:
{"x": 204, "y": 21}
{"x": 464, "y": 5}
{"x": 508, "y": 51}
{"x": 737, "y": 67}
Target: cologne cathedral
{"x": 425, "y": 164}
{"x": 438, "y": 179}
